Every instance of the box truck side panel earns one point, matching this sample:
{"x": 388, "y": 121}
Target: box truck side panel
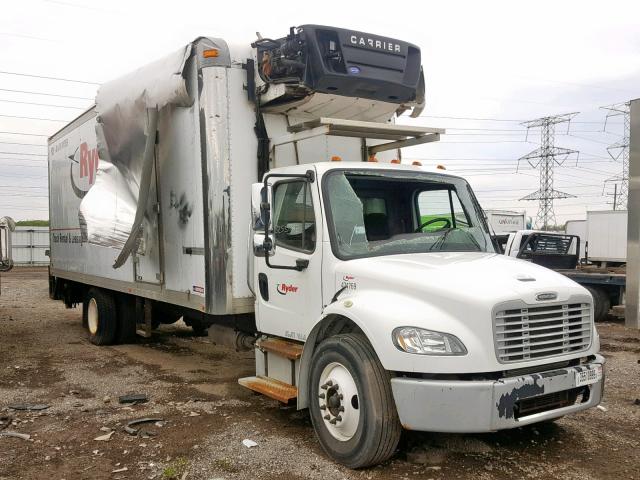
{"x": 73, "y": 163}
{"x": 243, "y": 172}
{"x": 181, "y": 197}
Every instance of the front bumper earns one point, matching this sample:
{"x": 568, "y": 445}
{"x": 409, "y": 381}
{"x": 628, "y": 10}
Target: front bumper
{"x": 490, "y": 405}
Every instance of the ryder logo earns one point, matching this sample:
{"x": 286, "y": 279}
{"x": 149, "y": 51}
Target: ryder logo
{"x": 87, "y": 160}
{"x": 283, "y": 288}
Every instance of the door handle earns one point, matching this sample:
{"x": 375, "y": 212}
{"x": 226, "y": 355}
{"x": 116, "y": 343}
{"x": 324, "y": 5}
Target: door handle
{"x": 263, "y": 286}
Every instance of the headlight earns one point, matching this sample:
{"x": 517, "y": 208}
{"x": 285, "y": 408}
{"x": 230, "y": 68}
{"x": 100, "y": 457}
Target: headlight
{"x": 427, "y": 342}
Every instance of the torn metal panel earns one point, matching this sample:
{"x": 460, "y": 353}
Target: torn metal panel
{"x": 113, "y": 212}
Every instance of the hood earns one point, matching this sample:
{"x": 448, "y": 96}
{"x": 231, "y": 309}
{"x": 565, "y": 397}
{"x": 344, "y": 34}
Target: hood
{"x": 473, "y": 276}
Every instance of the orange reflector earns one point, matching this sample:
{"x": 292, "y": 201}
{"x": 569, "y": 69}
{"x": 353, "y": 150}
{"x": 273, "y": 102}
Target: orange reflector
{"x": 336, "y": 158}
{"x": 417, "y": 164}
{"x": 441, "y": 167}
{"x": 213, "y": 52}
{"x": 395, "y": 160}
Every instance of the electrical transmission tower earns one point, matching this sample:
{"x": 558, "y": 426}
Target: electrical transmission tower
{"x": 546, "y": 157}
{"x": 620, "y": 151}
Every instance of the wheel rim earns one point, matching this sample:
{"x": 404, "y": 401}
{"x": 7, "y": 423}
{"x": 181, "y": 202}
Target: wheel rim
{"x": 92, "y": 316}
{"x": 339, "y": 401}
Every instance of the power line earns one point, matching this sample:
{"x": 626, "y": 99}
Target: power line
{"x": 25, "y": 134}
{"x": 41, "y": 104}
{"x": 4, "y": 72}
{"x": 23, "y": 153}
{"x": 35, "y": 118}
{"x": 45, "y": 94}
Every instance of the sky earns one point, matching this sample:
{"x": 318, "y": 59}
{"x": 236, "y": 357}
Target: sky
{"x": 489, "y": 66}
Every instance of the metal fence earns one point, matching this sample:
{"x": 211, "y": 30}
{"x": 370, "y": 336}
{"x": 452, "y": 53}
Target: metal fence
{"x": 29, "y": 245}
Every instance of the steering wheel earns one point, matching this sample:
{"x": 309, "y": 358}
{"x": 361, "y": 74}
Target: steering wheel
{"x": 447, "y": 223}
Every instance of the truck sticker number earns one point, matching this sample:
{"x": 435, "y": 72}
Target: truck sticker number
{"x": 348, "y": 282}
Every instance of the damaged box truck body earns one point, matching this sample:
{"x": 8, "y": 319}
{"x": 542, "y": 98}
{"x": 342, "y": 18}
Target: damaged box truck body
{"x": 261, "y": 188}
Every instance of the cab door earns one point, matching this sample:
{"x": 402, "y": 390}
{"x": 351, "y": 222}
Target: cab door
{"x": 289, "y": 301}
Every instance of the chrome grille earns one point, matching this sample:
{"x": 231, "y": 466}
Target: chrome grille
{"x": 532, "y": 333}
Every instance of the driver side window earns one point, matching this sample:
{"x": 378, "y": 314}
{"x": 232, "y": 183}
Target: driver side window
{"x": 440, "y": 209}
{"x": 294, "y": 220}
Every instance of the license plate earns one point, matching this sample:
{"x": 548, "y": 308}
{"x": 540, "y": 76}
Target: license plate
{"x": 587, "y": 377}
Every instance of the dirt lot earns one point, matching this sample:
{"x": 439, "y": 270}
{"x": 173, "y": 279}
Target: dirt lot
{"x": 46, "y": 359}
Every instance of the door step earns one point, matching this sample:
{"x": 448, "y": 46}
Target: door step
{"x": 283, "y": 392}
{"x": 283, "y": 348}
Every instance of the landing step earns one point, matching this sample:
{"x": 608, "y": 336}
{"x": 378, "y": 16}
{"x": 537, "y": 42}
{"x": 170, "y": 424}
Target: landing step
{"x": 290, "y": 350}
{"x": 283, "y": 392}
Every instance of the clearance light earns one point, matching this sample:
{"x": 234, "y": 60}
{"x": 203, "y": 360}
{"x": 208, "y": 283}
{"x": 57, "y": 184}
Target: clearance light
{"x": 441, "y": 167}
{"x": 417, "y": 164}
{"x": 336, "y": 158}
{"x": 211, "y": 53}
{"x": 395, "y": 161}
{"x": 372, "y": 158}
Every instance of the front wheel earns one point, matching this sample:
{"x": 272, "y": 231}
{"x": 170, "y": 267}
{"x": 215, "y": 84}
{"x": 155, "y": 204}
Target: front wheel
{"x": 351, "y": 406}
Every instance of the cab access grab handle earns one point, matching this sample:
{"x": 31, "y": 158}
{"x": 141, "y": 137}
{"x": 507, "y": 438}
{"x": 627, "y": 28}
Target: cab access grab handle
{"x": 265, "y": 213}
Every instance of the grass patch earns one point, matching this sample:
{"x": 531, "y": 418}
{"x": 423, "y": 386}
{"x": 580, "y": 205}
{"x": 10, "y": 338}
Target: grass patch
{"x": 175, "y": 470}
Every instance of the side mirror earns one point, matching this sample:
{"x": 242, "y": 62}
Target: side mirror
{"x": 258, "y": 219}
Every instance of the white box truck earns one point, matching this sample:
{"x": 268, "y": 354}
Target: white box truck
{"x": 262, "y": 188}
{"x": 506, "y": 221}
{"x": 607, "y": 237}
{"x": 579, "y": 229}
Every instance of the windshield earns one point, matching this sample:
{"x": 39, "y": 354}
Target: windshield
{"x": 385, "y": 213}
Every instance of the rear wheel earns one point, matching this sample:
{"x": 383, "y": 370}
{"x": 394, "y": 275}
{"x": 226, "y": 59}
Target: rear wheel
{"x": 352, "y": 407}
{"x": 601, "y": 303}
{"x": 99, "y": 316}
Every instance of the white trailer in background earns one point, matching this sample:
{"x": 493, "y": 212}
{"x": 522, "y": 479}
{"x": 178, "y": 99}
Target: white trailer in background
{"x": 579, "y": 229}
{"x": 30, "y": 245}
{"x": 506, "y": 221}
{"x": 261, "y": 188}
{"x": 607, "y": 237}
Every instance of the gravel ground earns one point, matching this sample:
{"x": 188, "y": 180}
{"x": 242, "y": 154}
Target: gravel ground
{"x": 45, "y": 358}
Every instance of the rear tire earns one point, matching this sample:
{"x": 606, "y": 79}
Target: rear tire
{"x": 368, "y": 430}
{"x": 99, "y": 316}
{"x": 126, "y": 331}
{"x": 601, "y": 303}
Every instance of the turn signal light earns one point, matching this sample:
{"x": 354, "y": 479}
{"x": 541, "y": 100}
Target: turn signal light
{"x": 395, "y": 160}
{"x": 417, "y": 164}
{"x": 372, "y": 158}
{"x": 441, "y": 167}
{"x": 211, "y": 53}
{"x": 336, "y": 158}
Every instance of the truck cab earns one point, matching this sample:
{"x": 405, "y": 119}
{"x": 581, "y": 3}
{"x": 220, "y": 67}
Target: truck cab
{"x": 387, "y": 278}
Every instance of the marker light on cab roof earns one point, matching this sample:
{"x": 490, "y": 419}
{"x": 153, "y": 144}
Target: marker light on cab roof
{"x": 211, "y": 53}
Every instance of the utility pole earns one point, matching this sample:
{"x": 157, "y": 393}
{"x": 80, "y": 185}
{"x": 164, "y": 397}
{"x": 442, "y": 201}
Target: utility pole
{"x": 620, "y": 151}
{"x": 546, "y": 157}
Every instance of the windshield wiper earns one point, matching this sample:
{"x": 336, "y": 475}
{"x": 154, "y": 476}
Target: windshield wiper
{"x": 440, "y": 241}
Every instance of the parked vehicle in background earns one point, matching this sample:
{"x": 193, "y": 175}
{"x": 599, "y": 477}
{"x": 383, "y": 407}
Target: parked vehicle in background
{"x": 579, "y": 229}
{"x": 503, "y": 222}
{"x": 261, "y": 189}
{"x": 7, "y": 225}
{"x": 607, "y": 237}
{"x": 560, "y": 252}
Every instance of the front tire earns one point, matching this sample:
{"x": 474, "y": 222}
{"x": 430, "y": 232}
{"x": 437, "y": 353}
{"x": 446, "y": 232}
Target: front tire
{"x": 99, "y": 316}
{"x": 351, "y": 404}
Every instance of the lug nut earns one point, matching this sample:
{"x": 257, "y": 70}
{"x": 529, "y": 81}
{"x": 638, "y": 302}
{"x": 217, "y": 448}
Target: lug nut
{"x": 341, "y": 409}
{"x": 327, "y": 417}
{"x": 329, "y": 383}
{"x": 323, "y": 407}
{"x": 338, "y": 418}
{"x": 321, "y": 395}
{"x": 333, "y": 421}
